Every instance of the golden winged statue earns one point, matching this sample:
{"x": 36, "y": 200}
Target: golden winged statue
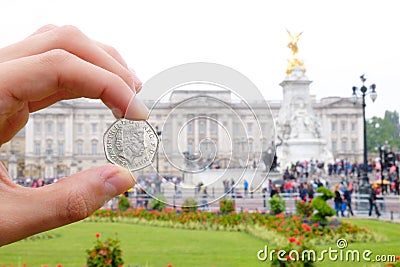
{"x": 294, "y": 38}
{"x": 294, "y": 62}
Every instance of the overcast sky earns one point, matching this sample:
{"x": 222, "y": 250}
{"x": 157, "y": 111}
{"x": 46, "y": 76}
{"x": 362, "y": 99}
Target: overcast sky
{"x": 341, "y": 39}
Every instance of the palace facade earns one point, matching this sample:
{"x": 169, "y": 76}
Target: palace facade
{"x": 215, "y": 128}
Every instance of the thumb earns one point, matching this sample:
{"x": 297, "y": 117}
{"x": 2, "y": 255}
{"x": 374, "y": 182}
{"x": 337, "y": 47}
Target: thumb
{"x": 34, "y": 210}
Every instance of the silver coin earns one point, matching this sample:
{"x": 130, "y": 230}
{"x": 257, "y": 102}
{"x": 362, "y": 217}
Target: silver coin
{"x": 131, "y": 144}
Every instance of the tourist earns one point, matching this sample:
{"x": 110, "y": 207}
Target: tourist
{"x": 53, "y": 64}
{"x": 347, "y": 197}
{"x": 246, "y": 187}
{"x": 288, "y": 186}
{"x": 372, "y": 201}
{"x": 204, "y": 196}
{"x": 397, "y": 184}
{"x": 303, "y": 191}
{"x": 274, "y": 191}
{"x": 310, "y": 192}
{"x": 338, "y": 200}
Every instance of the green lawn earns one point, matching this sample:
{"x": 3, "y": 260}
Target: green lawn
{"x": 155, "y": 246}
{"x": 142, "y": 245}
{"x": 390, "y": 247}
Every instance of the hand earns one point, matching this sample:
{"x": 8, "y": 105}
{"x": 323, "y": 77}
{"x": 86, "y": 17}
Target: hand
{"x": 53, "y": 64}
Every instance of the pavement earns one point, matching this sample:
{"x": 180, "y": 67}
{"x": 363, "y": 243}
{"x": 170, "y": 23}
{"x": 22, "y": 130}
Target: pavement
{"x": 386, "y": 217}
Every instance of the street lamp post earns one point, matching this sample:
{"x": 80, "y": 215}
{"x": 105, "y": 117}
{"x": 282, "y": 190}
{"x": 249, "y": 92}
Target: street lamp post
{"x": 381, "y": 150}
{"x": 157, "y": 159}
{"x": 364, "y": 91}
{"x": 158, "y": 181}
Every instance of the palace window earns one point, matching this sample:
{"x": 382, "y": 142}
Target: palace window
{"x": 334, "y": 146}
{"x": 38, "y": 127}
{"x": 202, "y": 127}
{"x": 249, "y": 127}
{"x": 353, "y": 146}
{"x": 343, "y": 126}
{"x": 94, "y": 127}
{"x": 79, "y": 127}
{"x": 60, "y": 148}
{"x": 79, "y": 148}
{"x": 37, "y": 148}
{"x": 344, "y": 145}
{"x": 49, "y": 148}
{"x": 333, "y": 126}
{"x": 94, "y": 147}
{"x": 49, "y": 127}
{"x": 61, "y": 127}
{"x": 190, "y": 147}
{"x": 353, "y": 126}
{"x": 213, "y": 127}
{"x": 250, "y": 146}
{"x": 190, "y": 127}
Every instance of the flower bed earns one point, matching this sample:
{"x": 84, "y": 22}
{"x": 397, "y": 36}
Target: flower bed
{"x": 261, "y": 225}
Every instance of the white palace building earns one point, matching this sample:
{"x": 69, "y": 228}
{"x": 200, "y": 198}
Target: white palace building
{"x": 68, "y": 136}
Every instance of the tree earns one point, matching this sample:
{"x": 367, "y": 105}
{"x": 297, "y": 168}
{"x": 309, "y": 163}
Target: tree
{"x": 393, "y": 118}
{"x": 277, "y": 204}
{"x": 323, "y": 209}
{"x": 382, "y": 130}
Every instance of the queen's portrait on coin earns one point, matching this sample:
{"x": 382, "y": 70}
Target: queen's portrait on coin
{"x": 133, "y": 143}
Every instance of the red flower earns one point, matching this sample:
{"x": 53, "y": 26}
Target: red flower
{"x": 108, "y": 261}
{"x": 97, "y": 235}
{"x": 59, "y": 265}
{"x": 169, "y": 265}
{"x": 103, "y": 252}
{"x": 292, "y": 240}
{"x": 298, "y": 243}
{"x": 288, "y": 258}
{"x": 306, "y": 227}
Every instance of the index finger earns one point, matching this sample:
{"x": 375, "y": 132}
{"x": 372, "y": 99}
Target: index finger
{"x": 40, "y": 79}
{"x": 70, "y": 39}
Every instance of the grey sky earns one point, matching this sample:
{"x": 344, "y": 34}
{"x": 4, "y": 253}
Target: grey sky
{"x": 341, "y": 39}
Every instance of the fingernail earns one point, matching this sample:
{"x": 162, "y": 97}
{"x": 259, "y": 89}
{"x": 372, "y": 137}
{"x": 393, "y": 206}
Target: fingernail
{"x": 136, "y": 80}
{"x": 137, "y": 110}
{"x": 118, "y": 182}
{"x": 116, "y": 112}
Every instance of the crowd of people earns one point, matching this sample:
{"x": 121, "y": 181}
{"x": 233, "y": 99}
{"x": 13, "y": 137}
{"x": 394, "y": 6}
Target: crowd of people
{"x": 344, "y": 178}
